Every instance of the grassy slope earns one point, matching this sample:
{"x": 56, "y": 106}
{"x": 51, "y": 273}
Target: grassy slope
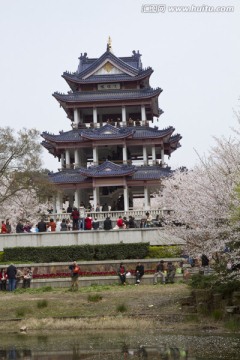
{"x": 95, "y": 307}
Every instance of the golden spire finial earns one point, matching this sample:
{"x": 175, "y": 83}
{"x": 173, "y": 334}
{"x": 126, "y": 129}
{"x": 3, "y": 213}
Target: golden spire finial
{"x": 109, "y": 44}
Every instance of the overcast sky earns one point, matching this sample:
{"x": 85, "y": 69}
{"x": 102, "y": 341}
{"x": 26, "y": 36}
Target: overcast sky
{"x": 195, "y": 57}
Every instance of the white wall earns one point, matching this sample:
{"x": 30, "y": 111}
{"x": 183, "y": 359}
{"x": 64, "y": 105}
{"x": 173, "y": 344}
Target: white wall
{"x": 155, "y": 236}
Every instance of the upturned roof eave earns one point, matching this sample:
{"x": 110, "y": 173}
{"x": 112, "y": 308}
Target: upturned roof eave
{"x": 76, "y": 79}
{"x": 136, "y": 176}
{"x": 131, "y": 96}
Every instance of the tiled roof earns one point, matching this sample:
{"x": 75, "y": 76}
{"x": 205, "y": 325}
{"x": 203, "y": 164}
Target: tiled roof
{"x": 151, "y": 173}
{"x": 87, "y": 66}
{"x": 94, "y": 96}
{"x": 67, "y": 176}
{"x": 144, "y": 132}
{"x": 134, "y": 61}
{"x": 74, "y": 77}
{"x": 108, "y": 169}
{"x": 111, "y": 132}
{"x": 107, "y": 132}
{"x": 68, "y": 136}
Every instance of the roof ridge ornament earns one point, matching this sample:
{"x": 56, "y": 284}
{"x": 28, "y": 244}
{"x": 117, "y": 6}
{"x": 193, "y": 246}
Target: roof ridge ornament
{"x": 109, "y": 44}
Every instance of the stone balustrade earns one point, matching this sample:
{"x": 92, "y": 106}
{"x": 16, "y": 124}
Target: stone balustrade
{"x": 114, "y": 215}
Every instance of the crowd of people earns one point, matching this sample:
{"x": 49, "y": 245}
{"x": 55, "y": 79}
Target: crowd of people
{"x": 166, "y": 270}
{"x": 11, "y": 276}
{"x": 78, "y": 219}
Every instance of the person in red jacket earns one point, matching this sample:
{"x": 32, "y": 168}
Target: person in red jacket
{"x": 120, "y": 222}
{"x": 3, "y": 228}
{"x": 3, "y": 279}
{"x": 52, "y": 225}
{"x": 88, "y": 222}
{"x": 75, "y": 218}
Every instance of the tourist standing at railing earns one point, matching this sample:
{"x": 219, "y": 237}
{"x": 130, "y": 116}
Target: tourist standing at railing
{"x": 27, "y": 227}
{"x": 69, "y": 209}
{"x": 114, "y": 206}
{"x": 75, "y": 218}
{"x": 148, "y": 222}
{"x": 8, "y": 226}
{"x": 131, "y": 222}
{"x": 63, "y": 225}
{"x": 142, "y": 223}
{"x": 3, "y": 228}
{"x": 69, "y": 224}
{"x": 105, "y": 207}
{"x": 89, "y": 207}
{"x": 52, "y": 225}
{"x": 125, "y": 223}
{"x": 19, "y": 227}
{"x": 58, "y": 225}
{"x": 98, "y": 208}
{"x": 82, "y": 212}
{"x": 107, "y": 225}
{"x": 120, "y": 223}
{"x": 42, "y": 226}
{"x": 88, "y": 222}
{"x": 95, "y": 224}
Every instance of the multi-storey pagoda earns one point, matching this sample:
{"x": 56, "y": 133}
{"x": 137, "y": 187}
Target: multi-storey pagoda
{"x": 112, "y": 154}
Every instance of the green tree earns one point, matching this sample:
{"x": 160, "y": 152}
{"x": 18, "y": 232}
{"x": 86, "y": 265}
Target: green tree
{"x": 20, "y": 166}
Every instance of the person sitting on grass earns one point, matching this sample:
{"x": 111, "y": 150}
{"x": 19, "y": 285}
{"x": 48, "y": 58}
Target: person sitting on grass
{"x": 139, "y": 273}
{"x": 122, "y": 274}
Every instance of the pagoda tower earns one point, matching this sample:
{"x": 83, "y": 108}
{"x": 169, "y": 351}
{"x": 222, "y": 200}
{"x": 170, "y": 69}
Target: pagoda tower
{"x": 113, "y": 153}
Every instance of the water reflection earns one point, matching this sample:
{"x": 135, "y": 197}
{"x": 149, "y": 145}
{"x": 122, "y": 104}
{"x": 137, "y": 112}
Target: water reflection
{"x": 114, "y": 346}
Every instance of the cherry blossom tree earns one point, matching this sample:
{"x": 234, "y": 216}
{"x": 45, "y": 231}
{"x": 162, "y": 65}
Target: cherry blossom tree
{"x": 24, "y": 185}
{"x": 202, "y": 198}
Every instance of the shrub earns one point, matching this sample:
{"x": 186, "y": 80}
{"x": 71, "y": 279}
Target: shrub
{"x": 217, "y": 314}
{"x": 199, "y": 281}
{"x": 232, "y": 324}
{"x": 158, "y": 252}
{"x": 42, "y": 304}
{"x": 121, "y": 308}
{"x": 48, "y": 254}
{"x": 218, "y": 285}
{"x": 21, "y": 312}
{"x": 1, "y": 256}
{"x": 94, "y": 298}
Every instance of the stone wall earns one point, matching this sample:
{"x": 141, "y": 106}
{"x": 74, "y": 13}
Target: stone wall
{"x": 155, "y": 236}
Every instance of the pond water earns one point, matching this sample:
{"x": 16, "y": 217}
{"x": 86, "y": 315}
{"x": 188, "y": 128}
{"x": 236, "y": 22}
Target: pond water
{"x": 118, "y": 345}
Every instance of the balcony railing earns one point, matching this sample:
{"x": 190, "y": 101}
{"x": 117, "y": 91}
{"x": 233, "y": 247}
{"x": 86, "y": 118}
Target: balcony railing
{"x": 128, "y": 123}
{"x": 114, "y": 215}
